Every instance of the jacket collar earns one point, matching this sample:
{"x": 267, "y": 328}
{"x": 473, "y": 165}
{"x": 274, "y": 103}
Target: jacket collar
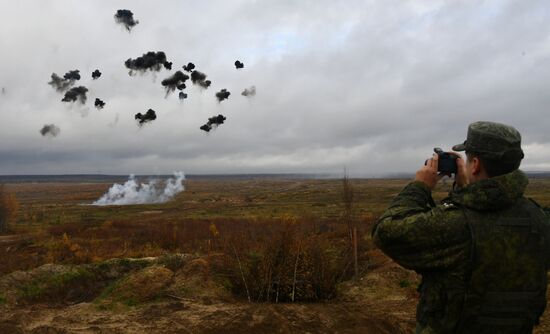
{"x": 494, "y": 193}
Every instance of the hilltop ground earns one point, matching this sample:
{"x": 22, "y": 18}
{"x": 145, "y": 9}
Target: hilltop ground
{"x": 175, "y": 267}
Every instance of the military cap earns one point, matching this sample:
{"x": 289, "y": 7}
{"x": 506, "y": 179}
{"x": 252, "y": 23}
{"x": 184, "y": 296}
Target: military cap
{"x": 492, "y": 140}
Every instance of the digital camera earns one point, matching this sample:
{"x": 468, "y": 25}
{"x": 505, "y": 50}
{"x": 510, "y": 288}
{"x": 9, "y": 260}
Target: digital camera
{"x": 447, "y": 162}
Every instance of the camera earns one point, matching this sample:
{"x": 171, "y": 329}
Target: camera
{"x": 447, "y": 162}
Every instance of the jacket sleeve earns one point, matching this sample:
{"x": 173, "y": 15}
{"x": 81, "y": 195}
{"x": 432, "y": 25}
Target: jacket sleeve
{"x": 547, "y": 236}
{"x": 419, "y": 235}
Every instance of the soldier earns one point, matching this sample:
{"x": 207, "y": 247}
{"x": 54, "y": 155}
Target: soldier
{"x": 484, "y": 252}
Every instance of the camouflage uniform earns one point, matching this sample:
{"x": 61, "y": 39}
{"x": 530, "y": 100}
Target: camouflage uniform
{"x": 483, "y": 253}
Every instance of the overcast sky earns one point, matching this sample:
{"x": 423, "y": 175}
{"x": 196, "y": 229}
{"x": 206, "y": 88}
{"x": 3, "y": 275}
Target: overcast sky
{"x": 368, "y": 85}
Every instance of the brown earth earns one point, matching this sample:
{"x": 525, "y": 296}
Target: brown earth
{"x": 185, "y": 300}
{"x": 382, "y": 301}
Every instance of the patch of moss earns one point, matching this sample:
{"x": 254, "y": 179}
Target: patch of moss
{"x": 404, "y": 283}
{"x": 54, "y": 286}
{"x": 2, "y": 300}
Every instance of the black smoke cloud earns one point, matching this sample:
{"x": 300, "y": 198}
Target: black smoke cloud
{"x": 189, "y": 67}
{"x": 222, "y": 95}
{"x": 62, "y": 84}
{"x": 175, "y": 81}
{"x": 182, "y": 96}
{"x": 238, "y": 64}
{"x": 96, "y": 74}
{"x": 213, "y": 122}
{"x": 152, "y": 61}
{"x": 149, "y": 116}
{"x": 99, "y": 104}
{"x": 76, "y": 94}
{"x": 167, "y": 65}
{"x": 199, "y": 78}
{"x": 50, "y": 130}
{"x": 72, "y": 75}
{"x": 126, "y": 18}
{"x": 249, "y": 91}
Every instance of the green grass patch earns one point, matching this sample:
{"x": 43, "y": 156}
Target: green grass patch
{"x": 56, "y": 286}
{"x": 405, "y": 283}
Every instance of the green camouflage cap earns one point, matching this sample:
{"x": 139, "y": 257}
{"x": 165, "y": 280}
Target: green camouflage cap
{"x": 492, "y": 140}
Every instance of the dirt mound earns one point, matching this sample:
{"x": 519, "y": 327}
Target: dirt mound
{"x": 140, "y": 286}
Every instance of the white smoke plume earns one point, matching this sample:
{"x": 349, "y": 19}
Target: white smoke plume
{"x": 133, "y": 192}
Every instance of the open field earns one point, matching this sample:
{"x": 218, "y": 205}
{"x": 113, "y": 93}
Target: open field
{"x": 280, "y": 243}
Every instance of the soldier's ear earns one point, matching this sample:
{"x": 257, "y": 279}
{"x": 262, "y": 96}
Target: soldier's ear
{"x": 477, "y": 168}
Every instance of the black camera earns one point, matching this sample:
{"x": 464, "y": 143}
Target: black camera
{"x": 447, "y": 162}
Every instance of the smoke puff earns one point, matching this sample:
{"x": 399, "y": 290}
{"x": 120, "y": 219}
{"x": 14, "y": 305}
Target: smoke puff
{"x": 133, "y": 192}
{"x": 182, "y": 96}
{"x": 50, "y": 130}
{"x": 72, "y": 75}
{"x": 167, "y": 65}
{"x": 189, "y": 67}
{"x": 62, "y": 84}
{"x": 149, "y": 116}
{"x": 216, "y": 120}
{"x": 206, "y": 127}
{"x": 96, "y": 74}
{"x": 76, "y": 93}
{"x": 152, "y": 61}
{"x": 249, "y": 91}
{"x": 99, "y": 104}
{"x": 199, "y": 78}
{"x": 222, "y": 95}
{"x": 213, "y": 122}
{"x": 238, "y": 64}
{"x": 175, "y": 81}
{"x": 126, "y": 18}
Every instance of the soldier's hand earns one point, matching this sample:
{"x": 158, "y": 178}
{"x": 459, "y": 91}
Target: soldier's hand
{"x": 428, "y": 173}
{"x": 461, "y": 177}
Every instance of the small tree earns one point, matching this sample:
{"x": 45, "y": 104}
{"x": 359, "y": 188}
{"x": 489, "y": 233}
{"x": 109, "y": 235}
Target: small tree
{"x": 347, "y": 199}
{"x": 8, "y": 208}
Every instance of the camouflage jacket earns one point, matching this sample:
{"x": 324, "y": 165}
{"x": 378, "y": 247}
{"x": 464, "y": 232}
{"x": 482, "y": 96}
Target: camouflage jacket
{"x": 437, "y": 242}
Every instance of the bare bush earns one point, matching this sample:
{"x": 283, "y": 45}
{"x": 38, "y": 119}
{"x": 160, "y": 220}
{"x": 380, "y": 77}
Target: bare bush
{"x": 8, "y": 208}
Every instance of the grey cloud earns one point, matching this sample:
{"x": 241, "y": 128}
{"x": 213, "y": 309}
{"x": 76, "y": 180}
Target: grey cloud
{"x": 369, "y": 85}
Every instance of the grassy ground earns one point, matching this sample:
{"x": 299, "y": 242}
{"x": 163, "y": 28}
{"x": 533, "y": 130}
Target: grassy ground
{"x": 257, "y": 228}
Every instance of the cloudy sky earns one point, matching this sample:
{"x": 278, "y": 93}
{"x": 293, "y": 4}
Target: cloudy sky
{"x": 371, "y": 86}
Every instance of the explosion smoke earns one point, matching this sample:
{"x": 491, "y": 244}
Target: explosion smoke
{"x": 213, "y": 122}
{"x": 133, "y": 192}
{"x": 62, "y": 84}
{"x": 96, "y": 74}
{"x": 238, "y": 64}
{"x": 189, "y": 67}
{"x": 167, "y": 65}
{"x": 182, "y": 96}
{"x": 199, "y": 78}
{"x": 76, "y": 93}
{"x": 175, "y": 81}
{"x": 222, "y": 95}
{"x": 149, "y": 116}
{"x": 72, "y": 75}
{"x": 152, "y": 61}
{"x": 249, "y": 91}
{"x": 126, "y": 18}
{"x": 99, "y": 104}
{"x": 50, "y": 130}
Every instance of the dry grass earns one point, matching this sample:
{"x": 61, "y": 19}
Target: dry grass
{"x": 264, "y": 240}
